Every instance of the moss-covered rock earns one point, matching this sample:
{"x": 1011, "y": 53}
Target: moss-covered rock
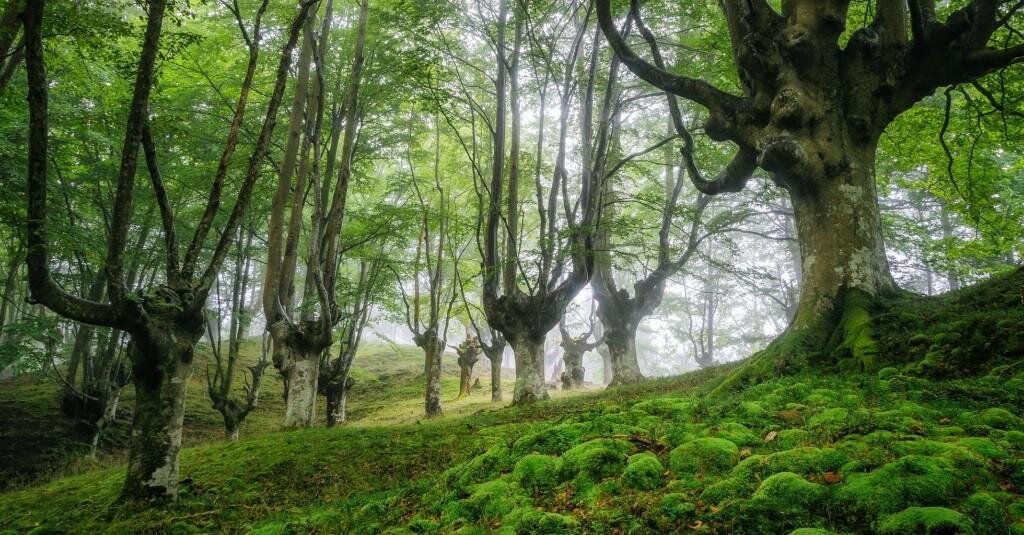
{"x": 492, "y": 500}
{"x": 736, "y": 433}
{"x": 544, "y": 523}
{"x": 552, "y": 440}
{"x": 987, "y": 513}
{"x": 788, "y": 498}
{"x": 537, "y": 472}
{"x": 596, "y": 459}
{"x": 926, "y": 520}
{"x": 704, "y": 455}
{"x": 676, "y": 507}
{"x": 910, "y": 480}
{"x": 804, "y": 461}
{"x": 643, "y": 472}
{"x": 999, "y": 418}
{"x": 484, "y": 467}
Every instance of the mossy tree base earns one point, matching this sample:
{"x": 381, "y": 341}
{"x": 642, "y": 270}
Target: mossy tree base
{"x": 965, "y": 332}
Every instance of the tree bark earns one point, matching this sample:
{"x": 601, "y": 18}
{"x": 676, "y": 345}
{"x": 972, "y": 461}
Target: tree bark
{"x": 620, "y": 336}
{"x": 161, "y": 364}
{"x": 572, "y": 377}
{"x": 296, "y": 355}
{"x": 337, "y": 400}
{"x": 841, "y": 246}
{"x": 529, "y": 355}
{"x": 432, "y": 347}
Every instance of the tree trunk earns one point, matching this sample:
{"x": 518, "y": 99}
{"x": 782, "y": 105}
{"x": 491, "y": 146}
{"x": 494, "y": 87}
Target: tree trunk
{"x": 465, "y": 379}
{"x": 621, "y": 340}
{"x": 841, "y": 245}
{"x": 607, "y": 372}
{"x": 496, "y": 357}
{"x": 432, "y": 370}
{"x": 301, "y": 376}
{"x": 529, "y": 355}
{"x": 337, "y": 400}
{"x": 572, "y": 377}
{"x": 161, "y": 364}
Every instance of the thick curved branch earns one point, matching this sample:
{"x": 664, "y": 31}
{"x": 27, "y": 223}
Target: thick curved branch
{"x": 736, "y": 174}
{"x": 699, "y": 91}
{"x": 44, "y": 289}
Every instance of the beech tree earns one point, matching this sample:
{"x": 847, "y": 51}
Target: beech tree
{"x": 298, "y": 343}
{"x": 814, "y": 97}
{"x": 164, "y": 320}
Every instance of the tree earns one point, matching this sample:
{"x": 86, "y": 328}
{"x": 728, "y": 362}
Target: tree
{"x": 573, "y": 349}
{"x": 164, "y": 321}
{"x": 298, "y": 345}
{"x": 239, "y": 318}
{"x": 815, "y": 98}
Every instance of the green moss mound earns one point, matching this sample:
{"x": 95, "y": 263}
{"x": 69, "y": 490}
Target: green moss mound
{"x": 704, "y": 456}
{"x": 914, "y": 479}
{"x": 926, "y": 520}
{"x": 644, "y": 471}
{"x": 537, "y": 472}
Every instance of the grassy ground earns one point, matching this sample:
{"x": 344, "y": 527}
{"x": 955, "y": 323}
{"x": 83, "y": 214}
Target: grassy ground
{"x": 885, "y": 452}
{"x": 927, "y": 439}
{"x": 38, "y": 443}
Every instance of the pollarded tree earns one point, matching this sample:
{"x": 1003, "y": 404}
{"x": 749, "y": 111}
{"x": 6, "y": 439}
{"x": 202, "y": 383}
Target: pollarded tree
{"x": 298, "y": 345}
{"x": 164, "y": 321}
{"x": 815, "y": 96}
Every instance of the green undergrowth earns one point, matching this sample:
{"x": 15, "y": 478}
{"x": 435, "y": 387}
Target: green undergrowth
{"x": 885, "y": 452}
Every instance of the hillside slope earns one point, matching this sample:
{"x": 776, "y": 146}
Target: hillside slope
{"x": 884, "y": 452}
{"x": 37, "y": 442}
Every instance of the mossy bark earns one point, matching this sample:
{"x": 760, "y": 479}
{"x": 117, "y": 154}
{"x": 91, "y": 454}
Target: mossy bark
{"x": 495, "y": 357}
{"x": 529, "y": 355}
{"x": 337, "y": 401}
{"x": 620, "y": 336}
{"x": 296, "y": 354}
{"x": 572, "y": 377}
{"x": 161, "y": 364}
{"x": 433, "y": 348}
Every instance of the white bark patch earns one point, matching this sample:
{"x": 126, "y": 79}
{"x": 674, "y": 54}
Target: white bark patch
{"x": 301, "y": 393}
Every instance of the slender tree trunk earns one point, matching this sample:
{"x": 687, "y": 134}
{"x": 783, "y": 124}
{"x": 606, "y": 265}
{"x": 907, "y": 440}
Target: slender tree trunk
{"x": 607, "y": 371}
{"x": 495, "y": 354}
{"x": 952, "y": 278}
{"x": 529, "y": 355}
{"x": 432, "y": 370}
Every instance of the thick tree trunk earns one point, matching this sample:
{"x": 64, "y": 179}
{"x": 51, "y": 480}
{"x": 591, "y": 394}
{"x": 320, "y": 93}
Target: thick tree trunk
{"x": 296, "y": 355}
{"x": 572, "y": 377}
{"x": 621, "y": 340}
{"x": 161, "y": 364}
{"x": 301, "y": 376}
{"x": 529, "y": 356}
{"x": 841, "y": 244}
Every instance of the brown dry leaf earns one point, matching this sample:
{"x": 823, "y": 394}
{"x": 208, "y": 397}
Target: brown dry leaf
{"x": 745, "y": 452}
{"x": 695, "y": 525}
{"x": 832, "y": 478}
{"x": 771, "y": 436}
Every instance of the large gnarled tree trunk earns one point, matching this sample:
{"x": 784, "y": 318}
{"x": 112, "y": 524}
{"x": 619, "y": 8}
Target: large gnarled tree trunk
{"x": 810, "y": 114}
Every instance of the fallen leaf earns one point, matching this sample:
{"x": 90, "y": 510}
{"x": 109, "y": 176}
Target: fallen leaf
{"x": 771, "y": 436}
{"x": 832, "y": 478}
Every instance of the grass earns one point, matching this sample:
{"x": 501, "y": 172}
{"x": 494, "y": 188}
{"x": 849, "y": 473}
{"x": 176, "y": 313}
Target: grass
{"x": 902, "y": 446}
{"x": 38, "y": 443}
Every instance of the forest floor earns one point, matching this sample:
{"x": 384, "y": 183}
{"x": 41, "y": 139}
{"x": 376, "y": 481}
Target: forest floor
{"x": 38, "y": 443}
{"x": 931, "y": 440}
{"x": 852, "y": 453}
